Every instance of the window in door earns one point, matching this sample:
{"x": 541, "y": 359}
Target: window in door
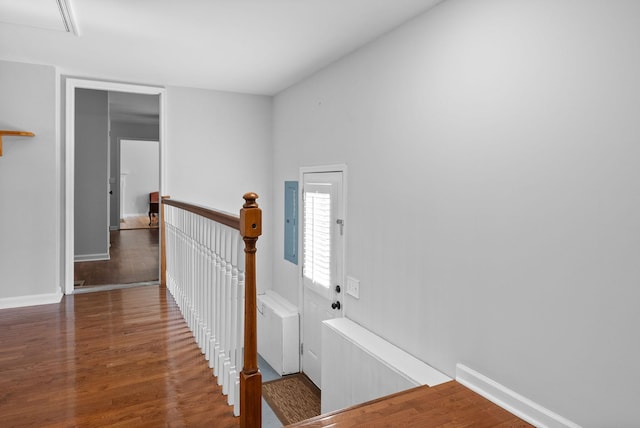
{"x": 319, "y": 234}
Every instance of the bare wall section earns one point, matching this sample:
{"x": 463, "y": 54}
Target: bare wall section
{"x": 139, "y": 163}
{"x": 494, "y": 174}
{"x": 119, "y": 131}
{"x": 91, "y": 151}
{"x": 218, "y": 148}
{"x": 29, "y": 209}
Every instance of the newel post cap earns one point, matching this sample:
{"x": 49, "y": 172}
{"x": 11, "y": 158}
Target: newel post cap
{"x": 250, "y": 217}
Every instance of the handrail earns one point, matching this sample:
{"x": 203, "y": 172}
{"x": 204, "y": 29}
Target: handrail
{"x": 222, "y": 217}
{"x": 249, "y": 224}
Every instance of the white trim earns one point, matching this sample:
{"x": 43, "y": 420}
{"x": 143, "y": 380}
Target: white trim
{"x": 398, "y": 360}
{"x": 134, "y": 215}
{"x": 510, "y": 400}
{"x": 109, "y": 287}
{"x": 341, "y": 167}
{"x": 91, "y": 257}
{"x": 59, "y": 267}
{"x": 71, "y": 85}
{"x": 32, "y": 300}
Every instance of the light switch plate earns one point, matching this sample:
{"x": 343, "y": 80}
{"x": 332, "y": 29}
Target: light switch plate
{"x": 353, "y": 287}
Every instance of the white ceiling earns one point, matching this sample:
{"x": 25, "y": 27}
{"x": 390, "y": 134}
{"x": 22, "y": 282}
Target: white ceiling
{"x": 248, "y": 46}
{"x": 35, "y": 13}
{"x": 134, "y": 108}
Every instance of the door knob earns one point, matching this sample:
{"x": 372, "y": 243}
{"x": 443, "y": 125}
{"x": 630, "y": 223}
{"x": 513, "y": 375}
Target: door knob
{"x": 337, "y": 288}
{"x": 336, "y": 305}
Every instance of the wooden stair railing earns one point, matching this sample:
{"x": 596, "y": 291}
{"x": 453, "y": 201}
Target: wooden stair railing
{"x": 250, "y": 378}
{"x": 249, "y": 224}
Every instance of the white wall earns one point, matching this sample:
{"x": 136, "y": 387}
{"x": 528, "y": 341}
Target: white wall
{"x": 218, "y": 148}
{"x": 120, "y": 130}
{"x": 29, "y": 206}
{"x": 140, "y": 161}
{"x": 91, "y": 175}
{"x": 494, "y": 174}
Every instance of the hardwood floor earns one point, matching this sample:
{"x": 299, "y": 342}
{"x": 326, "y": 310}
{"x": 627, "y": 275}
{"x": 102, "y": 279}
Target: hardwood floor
{"x": 134, "y": 258}
{"x": 122, "y": 358}
{"x": 141, "y": 222}
{"x": 446, "y": 405}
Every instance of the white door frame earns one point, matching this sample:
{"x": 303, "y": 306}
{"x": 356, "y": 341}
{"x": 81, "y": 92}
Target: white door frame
{"x": 71, "y": 85}
{"x": 320, "y": 169}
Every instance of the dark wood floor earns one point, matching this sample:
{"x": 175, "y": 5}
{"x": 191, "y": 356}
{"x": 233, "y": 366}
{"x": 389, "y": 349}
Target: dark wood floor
{"x": 122, "y": 358}
{"x": 134, "y": 258}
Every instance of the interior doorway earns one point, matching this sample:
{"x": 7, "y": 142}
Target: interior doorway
{"x": 72, "y": 85}
{"x": 139, "y": 178}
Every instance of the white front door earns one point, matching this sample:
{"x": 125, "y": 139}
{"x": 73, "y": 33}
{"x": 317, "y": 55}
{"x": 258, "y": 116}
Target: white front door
{"x": 322, "y": 262}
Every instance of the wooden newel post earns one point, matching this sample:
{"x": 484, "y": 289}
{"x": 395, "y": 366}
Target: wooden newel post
{"x": 250, "y": 378}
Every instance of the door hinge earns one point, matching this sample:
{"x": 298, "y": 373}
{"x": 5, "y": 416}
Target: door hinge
{"x": 301, "y": 348}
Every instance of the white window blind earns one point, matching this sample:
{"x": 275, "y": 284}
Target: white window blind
{"x": 317, "y": 238}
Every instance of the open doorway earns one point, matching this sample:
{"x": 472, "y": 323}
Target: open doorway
{"x": 134, "y": 245}
{"x": 139, "y": 184}
{"x": 107, "y": 154}
{"x": 134, "y": 112}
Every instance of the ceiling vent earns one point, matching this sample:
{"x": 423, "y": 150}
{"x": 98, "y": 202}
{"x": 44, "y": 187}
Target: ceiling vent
{"x": 67, "y": 17}
{"x": 41, "y": 14}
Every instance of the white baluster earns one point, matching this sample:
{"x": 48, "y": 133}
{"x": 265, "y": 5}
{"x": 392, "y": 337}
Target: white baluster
{"x": 200, "y": 285}
{"x": 207, "y": 287}
{"x": 205, "y": 275}
{"x": 216, "y": 303}
{"x": 233, "y": 345}
{"x": 201, "y": 273}
{"x": 212, "y": 286}
{"x": 222, "y": 307}
{"x": 227, "y": 311}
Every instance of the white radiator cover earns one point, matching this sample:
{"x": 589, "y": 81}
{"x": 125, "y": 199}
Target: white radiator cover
{"x": 278, "y": 333}
{"x": 358, "y": 366}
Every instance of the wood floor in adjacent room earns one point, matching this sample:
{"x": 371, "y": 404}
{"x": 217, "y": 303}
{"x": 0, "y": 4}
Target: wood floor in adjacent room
{"x": 121, "y": 358}
{"x": 134, "y": 258}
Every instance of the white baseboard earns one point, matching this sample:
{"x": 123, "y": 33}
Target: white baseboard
{"x": 509, "y": 400}
{"x": 33, "y": 300}
{"x": 145, "y": 214}
{"x": 91, "y": 257}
